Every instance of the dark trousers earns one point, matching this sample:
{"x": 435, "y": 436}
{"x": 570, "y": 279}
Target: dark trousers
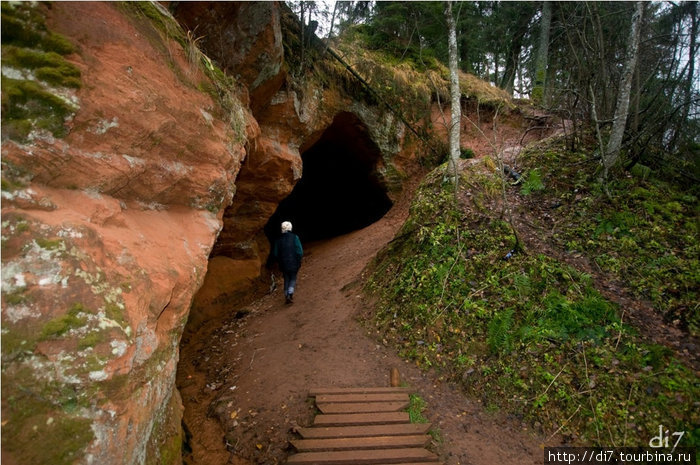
{"x": 290, "y": 281}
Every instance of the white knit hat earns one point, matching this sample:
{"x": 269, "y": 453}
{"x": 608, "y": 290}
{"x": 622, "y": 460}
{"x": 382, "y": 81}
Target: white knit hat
{"x": 286, "y": 226}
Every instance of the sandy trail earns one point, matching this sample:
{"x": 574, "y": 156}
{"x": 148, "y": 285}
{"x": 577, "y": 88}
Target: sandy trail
{"x": 252, "y": 370}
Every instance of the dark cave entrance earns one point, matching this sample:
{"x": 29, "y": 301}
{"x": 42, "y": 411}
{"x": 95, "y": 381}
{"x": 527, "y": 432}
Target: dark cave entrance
{"x": 340, "y": 190}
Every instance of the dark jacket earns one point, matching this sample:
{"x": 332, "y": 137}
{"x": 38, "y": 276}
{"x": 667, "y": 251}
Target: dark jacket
{"x": 288, "y": 252}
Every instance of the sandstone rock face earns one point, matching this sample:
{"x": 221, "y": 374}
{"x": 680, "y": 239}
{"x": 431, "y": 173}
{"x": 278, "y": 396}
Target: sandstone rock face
{"x": 292, "y": 122}
{"x": 244, "y": 38}
{"x": 106, "y": 235}
{"x": 109, "y": 229}
{"x": 292, "y": 116}
{"x": 227, "y": 280}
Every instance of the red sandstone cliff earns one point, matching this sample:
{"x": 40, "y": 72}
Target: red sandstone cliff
{"x": 106, "y": 235}
{"x": 109, "y": 217}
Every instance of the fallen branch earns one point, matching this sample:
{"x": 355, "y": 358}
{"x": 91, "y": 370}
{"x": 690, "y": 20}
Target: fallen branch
{"x": 253, "y": 357}
{"x": 550, "y": 385}
{"x": 564, "y": 424}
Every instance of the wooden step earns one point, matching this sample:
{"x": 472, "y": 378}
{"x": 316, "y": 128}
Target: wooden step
{"x": 359, "y": 431}
{"x": 371, "y": 397}
{"x": 362, "y": 407}
{"x": 406, "y": 463}
{"x": 364, "y": 457}
{"x": 374, "y": 442}
{"x": 350, "y": 419}
{"x": 355, "y": 390}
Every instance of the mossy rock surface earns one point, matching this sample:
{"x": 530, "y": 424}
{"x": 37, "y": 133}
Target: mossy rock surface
{"x": 36, "y": 74}
{"x": 43, "y": 413}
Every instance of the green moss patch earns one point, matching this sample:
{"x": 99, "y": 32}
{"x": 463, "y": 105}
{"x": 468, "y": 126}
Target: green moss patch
{"x": 48, "y": 66}
{"x": 18, "y": 340}
{"x": 44, "y": 418}
{"x": 115, "y": 312}
{"x": 90, "y": 340}
{"x": 62, "y": 324}
{"x": 49, "y": 244}
{"x": 23, "y": 25}
{"x": 16, "y": 297}
{"x": 27, "y": 105}
{"x": 10, "y": 185}
{"x": 14, "y": 178}
{"x": 36, "y": 54}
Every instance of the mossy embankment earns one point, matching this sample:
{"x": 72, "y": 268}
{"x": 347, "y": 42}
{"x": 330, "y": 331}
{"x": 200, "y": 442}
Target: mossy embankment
{"x": 528, "y": 332}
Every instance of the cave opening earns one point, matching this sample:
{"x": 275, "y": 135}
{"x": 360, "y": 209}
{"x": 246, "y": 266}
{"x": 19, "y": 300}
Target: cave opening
{"x": 341, "y": 188}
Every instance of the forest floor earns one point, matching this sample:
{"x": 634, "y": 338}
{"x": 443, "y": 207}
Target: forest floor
{"x": 244, "y": 379}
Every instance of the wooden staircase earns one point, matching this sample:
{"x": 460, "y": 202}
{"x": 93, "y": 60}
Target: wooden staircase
{"x": 362, "y": 426}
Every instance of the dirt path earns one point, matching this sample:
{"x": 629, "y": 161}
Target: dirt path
{"x": 251, "y": 372}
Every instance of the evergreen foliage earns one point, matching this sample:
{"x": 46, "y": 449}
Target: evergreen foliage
{"x": 586, "y": 42}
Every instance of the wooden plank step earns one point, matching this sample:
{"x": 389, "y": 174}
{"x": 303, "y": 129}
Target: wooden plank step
{"x": 362, "y": 407}
{"x": 411, "y": 463}
{"x": 374, "y": 442}
{"x": 364, "y": 457}
{"x": 355, "y": 390}
{"x": 350, "y": 419}
{"x": 359, "y": 431}
{"x": 372, "y": 397}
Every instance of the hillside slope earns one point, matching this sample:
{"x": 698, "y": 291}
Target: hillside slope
{"x": 545, "y": 299}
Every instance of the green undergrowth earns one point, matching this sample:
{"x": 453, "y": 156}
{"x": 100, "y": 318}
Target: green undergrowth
{"x": 527, "y": 334}
{"x": 416, "y": 406}
{"x": 35, "y": 72}
{"x": 646, "y": 235}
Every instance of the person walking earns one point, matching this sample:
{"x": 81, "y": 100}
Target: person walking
{"x": 287, "y": 251}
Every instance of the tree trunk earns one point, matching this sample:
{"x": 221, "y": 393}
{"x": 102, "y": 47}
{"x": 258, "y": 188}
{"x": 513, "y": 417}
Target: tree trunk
{"x": 455, "y": 94}
{"x": 602, "y": 74}
{"x": 612, "y": 151}
{"x": 495, "y": 68}
{"x": 303, "y": 27}
{"x": 512, "y": 63}
{"x": 330, "y": 29}
{"x": 538, "y": 91}
{"x": 691, "y": 61}
{"x": 635, "y": 104}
